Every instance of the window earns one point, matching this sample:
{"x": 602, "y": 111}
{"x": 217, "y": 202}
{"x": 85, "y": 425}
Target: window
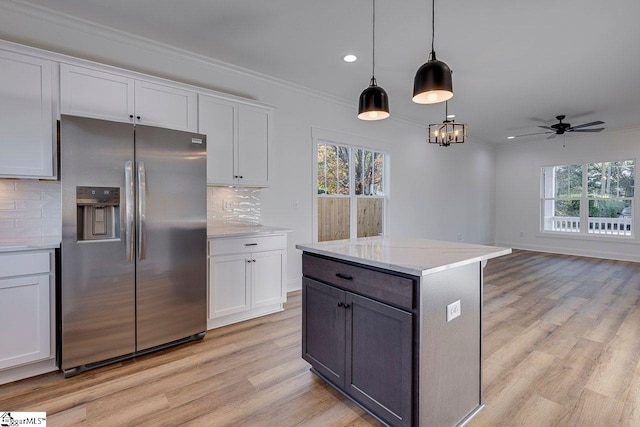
{"x": 350, "y": 191}
{"x": 591, "y": 198}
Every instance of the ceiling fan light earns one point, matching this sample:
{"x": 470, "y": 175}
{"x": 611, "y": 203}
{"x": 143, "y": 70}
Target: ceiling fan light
{"x": 432, "y": 83}
{"x": 374, "y": 103}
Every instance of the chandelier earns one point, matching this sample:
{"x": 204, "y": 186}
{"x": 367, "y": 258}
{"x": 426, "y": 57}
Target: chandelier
{"x": 448, "y": 132}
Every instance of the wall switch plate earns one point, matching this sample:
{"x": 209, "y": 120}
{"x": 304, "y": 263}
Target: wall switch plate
{"x": 453, "y": 310}
{"x": 226, "y": 205}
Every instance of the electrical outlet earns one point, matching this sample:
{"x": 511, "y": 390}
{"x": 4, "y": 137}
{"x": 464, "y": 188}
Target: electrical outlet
{"x": 522, "y": 234}
{"x": 459, "y": 237}
{"x": 226, "y": 205}
{"x": 453, "y": 310}
{"x": 296, "y": 204}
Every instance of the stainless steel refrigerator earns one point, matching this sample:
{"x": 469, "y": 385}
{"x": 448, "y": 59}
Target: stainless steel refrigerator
{"x": 134, "y": 224}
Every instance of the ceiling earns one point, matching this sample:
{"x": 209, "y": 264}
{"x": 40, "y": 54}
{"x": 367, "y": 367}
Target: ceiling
{"x": 516, "y": 64}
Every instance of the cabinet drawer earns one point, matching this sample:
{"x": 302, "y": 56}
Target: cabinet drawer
{"x": 236, "y": 245}
{"x": 19, "y": 264}
{"x": 381, "y": 286}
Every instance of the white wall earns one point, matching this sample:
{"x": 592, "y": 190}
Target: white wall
{"x": 518, "y": 191}
{"x": 436, "y": 192}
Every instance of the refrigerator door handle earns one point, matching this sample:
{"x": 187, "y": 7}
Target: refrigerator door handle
{"x": 142, "y": 211}
{"x": 128, "y": 207}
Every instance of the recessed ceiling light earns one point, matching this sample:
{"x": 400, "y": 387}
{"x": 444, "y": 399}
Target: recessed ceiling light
{"x": 510, "y": 137}
{"x": 350, "y": 58}
{"x": 451, "y": 116}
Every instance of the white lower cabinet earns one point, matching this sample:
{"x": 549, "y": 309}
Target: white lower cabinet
{"x": 247, "y": 278}
{"x": 27, "y": 314}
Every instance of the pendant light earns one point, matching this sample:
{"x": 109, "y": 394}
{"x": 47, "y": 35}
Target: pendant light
{"x": 433, "y": 82}
{"x": 448, "y": 132}
{"x": 374, "y": 102}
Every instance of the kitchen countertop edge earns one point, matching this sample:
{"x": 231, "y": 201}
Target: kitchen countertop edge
{"x": 29, "y": 245}
{"x": 450, "y": 254}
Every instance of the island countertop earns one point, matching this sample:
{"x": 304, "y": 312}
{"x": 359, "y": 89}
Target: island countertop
{"x": 417, "y": 257}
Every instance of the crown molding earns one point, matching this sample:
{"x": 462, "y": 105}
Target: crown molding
{"x": 62, "y": 19}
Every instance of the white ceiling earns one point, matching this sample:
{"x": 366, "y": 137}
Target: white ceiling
{"x": 517, "y": 64}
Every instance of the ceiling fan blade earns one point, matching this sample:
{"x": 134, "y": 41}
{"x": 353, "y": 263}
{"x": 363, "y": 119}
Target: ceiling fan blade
{"x": 553, "y": 135}
{"x": 546, "y": 127}
{"x": 529, "y": 134}
{"x": 586, "y": 130}
{"x": 588, "y": 124}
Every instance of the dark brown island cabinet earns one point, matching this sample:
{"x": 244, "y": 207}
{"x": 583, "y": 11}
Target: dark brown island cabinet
{"x": 395, "y": 325}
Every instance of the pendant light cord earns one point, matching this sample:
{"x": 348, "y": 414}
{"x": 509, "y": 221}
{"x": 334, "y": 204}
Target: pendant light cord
{"x": 373, "y": 70}
{"x": 433, "y": 28}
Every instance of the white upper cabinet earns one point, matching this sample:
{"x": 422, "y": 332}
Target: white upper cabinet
{"x": 253, "y": 145}
{"x": 165, "y": 106}
{"x": 27, "y": 119}
{"x": 91, "y": 93}
{"x": 111, "y": 96}
{"x": 217, "y": 120}
{"x": 238, "y": 139}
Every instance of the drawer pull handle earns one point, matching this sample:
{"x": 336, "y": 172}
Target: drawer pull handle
{"x": 251, "y": 244}
{"x": 344, "y": 276}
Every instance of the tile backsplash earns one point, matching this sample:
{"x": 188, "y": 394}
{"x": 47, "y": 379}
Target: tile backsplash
{"x": 30, "y": 209}
{"x": 233, "y": 206}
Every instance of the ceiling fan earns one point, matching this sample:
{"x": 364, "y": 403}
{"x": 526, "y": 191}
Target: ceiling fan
{"x": 561, "y": 128}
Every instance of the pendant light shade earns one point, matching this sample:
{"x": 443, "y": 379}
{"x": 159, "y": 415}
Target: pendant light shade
{"x": 374, "y": 102}
{"x": 432, "y": 83}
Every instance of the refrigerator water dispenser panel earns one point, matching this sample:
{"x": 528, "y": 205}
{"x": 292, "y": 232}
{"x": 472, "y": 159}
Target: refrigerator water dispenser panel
{"x": 98, "y": 213}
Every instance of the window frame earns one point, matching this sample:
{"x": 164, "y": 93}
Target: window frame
{"x": 584, "y": 199}
{"x": 358, "y": 143}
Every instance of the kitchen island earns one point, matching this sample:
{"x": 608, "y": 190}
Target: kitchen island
{"x": 395, "y": 325}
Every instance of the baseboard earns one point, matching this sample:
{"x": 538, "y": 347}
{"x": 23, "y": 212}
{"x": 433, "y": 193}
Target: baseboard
{"x": 616, "y": 256}
{"x": 25, "y": 371}
{"x": 294, "y": 284}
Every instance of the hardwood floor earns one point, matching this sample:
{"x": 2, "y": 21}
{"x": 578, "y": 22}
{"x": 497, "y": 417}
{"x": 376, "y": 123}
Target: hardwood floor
{"x": 561, "y": 348}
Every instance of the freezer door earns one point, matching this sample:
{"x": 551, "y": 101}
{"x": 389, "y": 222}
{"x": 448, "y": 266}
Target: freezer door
{"x": 171, "y": 273}
{"x": 97, "y": 285}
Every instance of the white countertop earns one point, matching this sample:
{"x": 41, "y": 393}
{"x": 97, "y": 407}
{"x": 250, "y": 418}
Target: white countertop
{"x": 29, "y": 243}
{"x": 244, "y": 230}
{"x": 418, "y": 257}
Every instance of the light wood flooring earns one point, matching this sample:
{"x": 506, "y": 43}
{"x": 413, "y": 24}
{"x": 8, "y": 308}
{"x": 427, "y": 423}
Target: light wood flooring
{"x": 561, "y": 348}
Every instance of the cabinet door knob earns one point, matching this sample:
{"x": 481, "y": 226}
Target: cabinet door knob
{"x": 131, "y": 116}
{"x": 248, "y": 260}
{"x": 340, "y": 304}
{"x": 241, "y": 176}
{"x": 253, "y": 260}
{"x": 344, "y": 276}
{"x": 138, "y": 117}
{"x": 347, "y": 306}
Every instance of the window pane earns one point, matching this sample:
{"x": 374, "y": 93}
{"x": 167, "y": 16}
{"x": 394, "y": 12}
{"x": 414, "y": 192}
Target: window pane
{"x": 370, "y": 216}
{"x": 333, "y": 218}
{"x": 562, "y": 215}
{"x": 611, "y": 179}
{"x": 333, "y": 169}
{"x": 322, "y": 171}
{"x": 358, "y": 163}
{"x": 369, "y": 170}
{"x": 378, "y": 174}
{"x": 563, "y": 181}
{"x": 343, "y": 170}
{"x": 610, "y": 216}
